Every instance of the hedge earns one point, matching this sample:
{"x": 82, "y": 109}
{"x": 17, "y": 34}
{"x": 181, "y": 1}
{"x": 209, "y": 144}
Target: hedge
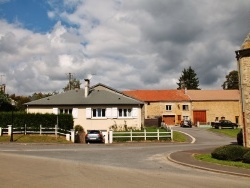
{"x": 65, "y": 121}
{"x": 229, "y": 152}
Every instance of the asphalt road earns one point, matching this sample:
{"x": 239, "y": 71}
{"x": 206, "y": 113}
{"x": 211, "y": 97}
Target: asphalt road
{"x": 116, "y": 165}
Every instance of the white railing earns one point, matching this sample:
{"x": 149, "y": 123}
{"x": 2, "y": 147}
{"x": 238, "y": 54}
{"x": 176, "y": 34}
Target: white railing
{"x": 41, "y": 130}
{"x": 135, "y": 134}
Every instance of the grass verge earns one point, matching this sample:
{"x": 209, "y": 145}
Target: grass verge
{"x": 35, "y": 139}
{"x": 229, "y": 132}
{"x": 208, "y": 158}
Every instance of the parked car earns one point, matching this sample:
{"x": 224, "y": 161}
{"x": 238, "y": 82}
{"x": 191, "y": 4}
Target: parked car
{"x": 186, "y": 123}
{"x": 224, "y": 124}
{"x": 94, "y": 136}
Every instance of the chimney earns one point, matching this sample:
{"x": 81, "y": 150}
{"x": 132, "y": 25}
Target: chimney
{"x": 86, "y": 87}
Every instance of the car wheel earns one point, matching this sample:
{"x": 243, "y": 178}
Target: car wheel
{"x": 219, "y": 127}
{"x": 234, "y": 127}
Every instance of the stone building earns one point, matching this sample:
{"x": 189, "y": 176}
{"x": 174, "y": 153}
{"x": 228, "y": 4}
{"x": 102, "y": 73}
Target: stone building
{"x": 243, "y": 60}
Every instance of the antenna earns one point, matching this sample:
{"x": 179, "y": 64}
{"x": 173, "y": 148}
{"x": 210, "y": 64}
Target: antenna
{"x": 70, "y": 78}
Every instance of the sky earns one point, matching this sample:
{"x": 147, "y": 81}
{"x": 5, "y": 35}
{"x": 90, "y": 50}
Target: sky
{"x": 126, "y": 45}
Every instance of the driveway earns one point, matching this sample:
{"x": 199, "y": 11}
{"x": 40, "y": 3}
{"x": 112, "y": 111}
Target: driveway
{"x": 116, "y": 165}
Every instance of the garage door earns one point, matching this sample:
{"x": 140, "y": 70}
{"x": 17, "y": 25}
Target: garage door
{"x": 199, "y": 115}
{"x": 169, "y": 119}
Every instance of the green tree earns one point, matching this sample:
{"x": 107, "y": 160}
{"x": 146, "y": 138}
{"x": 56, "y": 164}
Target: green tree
{"x": 188, "y": 79}
{"x": 73, "y": 84}
{"x": 232, "y": 81}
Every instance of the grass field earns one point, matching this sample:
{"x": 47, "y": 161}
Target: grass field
{"x": 229, "y": 132}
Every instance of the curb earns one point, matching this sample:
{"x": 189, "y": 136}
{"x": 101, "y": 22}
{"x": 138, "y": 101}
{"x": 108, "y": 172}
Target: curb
{"x": 207, "y": 169}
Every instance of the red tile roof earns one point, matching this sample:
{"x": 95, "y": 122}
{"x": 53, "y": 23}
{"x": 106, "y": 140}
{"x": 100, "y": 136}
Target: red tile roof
{"x": 213, "y": 95}
{"x": 158, "y": 95}
{"x": 181, "y": 95}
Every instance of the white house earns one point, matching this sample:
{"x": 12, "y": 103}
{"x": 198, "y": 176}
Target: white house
{"x": 97, "y": 107}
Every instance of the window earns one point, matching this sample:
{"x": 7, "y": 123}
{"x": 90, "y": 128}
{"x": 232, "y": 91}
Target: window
{"x": 66, "y": 111}
{"x": 185, "y": 107}
{"x": 99, "y": 112}
{"x": 168, "y": 107}
{"x": 125, "y": 112}
{"x": 185, "y": 118}
{"x": 237, "y": 119}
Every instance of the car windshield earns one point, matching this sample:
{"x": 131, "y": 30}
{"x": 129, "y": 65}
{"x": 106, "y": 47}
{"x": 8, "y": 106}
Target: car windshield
{"x": 94, "y": 132}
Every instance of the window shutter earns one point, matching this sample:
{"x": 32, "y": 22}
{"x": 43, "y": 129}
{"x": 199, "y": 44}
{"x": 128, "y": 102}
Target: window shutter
{"x": 55, "y": 111}
{"x": 88, "y": 113}
{"x": 109, "y": 112}
{"x": 134, "y": 112}
{"x": 114, "y": 112}
{"x": 75, "y": 113}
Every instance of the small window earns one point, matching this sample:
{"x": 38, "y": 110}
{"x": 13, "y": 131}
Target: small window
{"x": 125, "y": 112}
{"x": 237, "y": 119}
{"x": 99, "y": 112}
{"x": 66, "y": 111}
{"x": 185, "y": 107}
{"x": 168, "y": 107}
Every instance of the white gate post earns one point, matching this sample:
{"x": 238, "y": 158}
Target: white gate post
{"x": 158, "y": 134}
{"x": 25, "y": 129}
{"x": 145, "y": 134}
{"x": 131, "y": 135}
{"x": 110, "y": 136}
{"x": 0, "y": 131}
{"x": 171, "y": 134}
{"x": 72, "y": 131}
{"x": 198, "y": 123}
{"x": 56, "y": 130}
{"x": 40, "y": 129}
{"x": 9, "y": 130}
{"x": 68, "y": 137}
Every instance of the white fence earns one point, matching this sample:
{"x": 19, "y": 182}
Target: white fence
{"x": 70, "y": 135}
{"x": 144, "y": 135}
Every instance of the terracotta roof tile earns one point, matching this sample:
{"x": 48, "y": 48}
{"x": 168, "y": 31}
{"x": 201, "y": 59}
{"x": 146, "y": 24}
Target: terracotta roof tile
{"x": 158, "y": 95}
{"x": 209, "y": 95}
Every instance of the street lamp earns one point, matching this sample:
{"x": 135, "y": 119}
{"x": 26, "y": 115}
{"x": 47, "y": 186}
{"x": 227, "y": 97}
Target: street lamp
{"x": 12, "y": 120}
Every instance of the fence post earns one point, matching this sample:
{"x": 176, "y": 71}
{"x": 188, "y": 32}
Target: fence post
{"x": 0, "y": 131}
{"x": 158, "y": 134}
{"x": 131, "y": 135}
{"x": 198, "y": 123}
{"x": 171, "y": 134}
{"x": 40, "y": 129}
{"x": 56, "y": 130}
{"x": 145, "y": 134}
{"x": 68, "y": 137}
{"x": 72, "y": 131}
{"x": 111, "y": 136}
{"x": 25, "y": 129}
{"x": 9, "y": 130}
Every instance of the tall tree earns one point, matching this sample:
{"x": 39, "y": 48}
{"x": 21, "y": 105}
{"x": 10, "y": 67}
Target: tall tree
{"x": 188, "y": 79}
{"x": 232, "y": 81}
{"x": 73, "y": 84}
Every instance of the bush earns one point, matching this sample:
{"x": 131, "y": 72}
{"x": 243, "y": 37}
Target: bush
{"x": 240, "y": 138}
{"x": 246, "y": 157}
{"x": 229, "y": 153}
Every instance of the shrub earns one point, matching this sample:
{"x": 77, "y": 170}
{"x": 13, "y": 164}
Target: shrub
{"x": 240, "y": 138}
{"x": 246, "y": 157}
{"x": 229, "y": 152}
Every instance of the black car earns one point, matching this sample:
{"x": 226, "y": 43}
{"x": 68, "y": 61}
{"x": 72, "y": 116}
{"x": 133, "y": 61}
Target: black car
{"x": 186, "y": 123}
{"x": 94, "y": 136}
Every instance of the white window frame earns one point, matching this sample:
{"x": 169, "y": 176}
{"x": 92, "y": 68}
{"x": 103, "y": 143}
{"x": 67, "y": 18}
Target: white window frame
{"x": 125, "y": 112}
{"x": 185, "y": 107}
{"x": 168, "y": 107}
{"x": 65, "y": 110}
{"x": 98, "y": 113}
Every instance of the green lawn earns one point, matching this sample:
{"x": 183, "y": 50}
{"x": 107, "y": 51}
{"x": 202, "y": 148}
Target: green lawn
{"x": 177, "y": 136}
{"x": 229, "y": 132}
{"x": 208, "y": 158}
{"x": 35, "y": 139}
